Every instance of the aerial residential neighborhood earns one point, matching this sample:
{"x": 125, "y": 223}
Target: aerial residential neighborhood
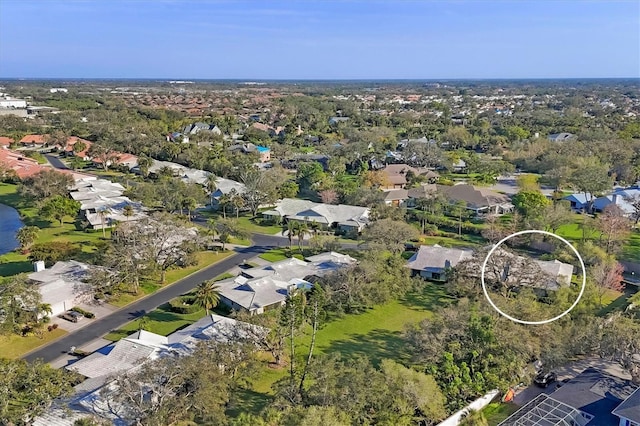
{"x": 320, "y": 213}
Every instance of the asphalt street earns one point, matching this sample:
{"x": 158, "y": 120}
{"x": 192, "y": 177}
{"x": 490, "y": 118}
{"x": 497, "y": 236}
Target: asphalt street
{"x": 135, "y": 310}
{"x": 56, "y": 162}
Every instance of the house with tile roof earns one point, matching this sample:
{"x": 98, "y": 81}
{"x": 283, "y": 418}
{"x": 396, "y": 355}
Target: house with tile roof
{"x": 5, "y": 141}
{"x": 34, "y": 141}
{"x": 397, "y": 174}
{"x": 18, "y": 163}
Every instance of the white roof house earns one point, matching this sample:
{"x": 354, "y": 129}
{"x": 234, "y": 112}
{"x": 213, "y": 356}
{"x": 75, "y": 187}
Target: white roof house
{"x": 128, "y": 355}
{"x": 432, "y": 262}
{"x": 340, "y": 215}
{"x": 62, "y": 286}
{"x": 258, "y": 289}
{"x": 226, "y": 186}
{"x": 101, "y": 194}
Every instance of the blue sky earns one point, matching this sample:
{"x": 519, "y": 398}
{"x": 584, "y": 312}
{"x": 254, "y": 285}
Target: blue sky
{"x": 341, "y": 39}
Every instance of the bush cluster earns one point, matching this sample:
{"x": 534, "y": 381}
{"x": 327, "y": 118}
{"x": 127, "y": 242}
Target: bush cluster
{"x": 87, "y": 314}
{"x": 184, "y": 305}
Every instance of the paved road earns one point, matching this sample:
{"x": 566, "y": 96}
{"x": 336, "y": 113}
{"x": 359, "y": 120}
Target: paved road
{"x": 55, "y": 162}
{"x": 135, "y": 310}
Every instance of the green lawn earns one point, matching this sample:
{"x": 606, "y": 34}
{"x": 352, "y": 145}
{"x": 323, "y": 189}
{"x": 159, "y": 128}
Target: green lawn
{"x": 14, "y": 346}
{"x": 161, "y": 321}
{"x": 631, "y": 250}
{"x": 276, "y": 255}
{"x": 205, "y": 258}
{"x": 497, "y": 412}
{"x": 376, "y": 333}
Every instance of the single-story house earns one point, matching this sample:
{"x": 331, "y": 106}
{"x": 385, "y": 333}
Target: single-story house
{"x": 257, "y": 290}
{"x": 432, "y": 262}
{"x": 623, "y": 198}
{"x": 120, "y": 159}
{"x": 426, "y": 190}
{"x": 396, "y": 175}
{"x": 22, "y": 166}
{"x": 68, "y": 148}
{"x": 227, "y": 186}
{"x": 560, "y": 137}
{"x": 341, "y": 216}
{"x": 534, "y": 273}
{"x": 62, "y": 286}
{"x": 479, "y": 200}
{"x": 34, "y": 141}
{"x": 592, "y": 398}
{"x": 5, "y": 141}
{"x": 396, "y": 197}
{"x": 579, "y": 201}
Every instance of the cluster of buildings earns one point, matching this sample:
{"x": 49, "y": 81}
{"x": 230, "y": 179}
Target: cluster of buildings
{"x": 621, "y": 197}
{"x": 435, "y": 262}
{"x": 257, "y": 290}
{"x": 103, "y": 203}
{"x": 94, "y": 396}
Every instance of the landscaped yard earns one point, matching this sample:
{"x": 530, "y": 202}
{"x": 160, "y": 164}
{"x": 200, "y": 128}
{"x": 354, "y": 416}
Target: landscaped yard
{"x": 276, "y": 255}
{"x": 205, "y": 258}
{"x": 14, "y": 346}
{"x": 161, "y": 321}
{"x": 376, "y": 333}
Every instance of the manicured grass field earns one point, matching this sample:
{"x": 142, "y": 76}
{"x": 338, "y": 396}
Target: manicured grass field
{"x": 276, "y": 255}
{"x": 631, "y": 250}
{"x": 376, "y": 333}
{"x": 14, "y": 346}
{"x": 161, "y": 321}
{"x": 205, "y": 258}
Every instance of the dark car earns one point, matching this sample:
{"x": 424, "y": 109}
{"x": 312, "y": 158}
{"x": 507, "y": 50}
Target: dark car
{"x": 72, "y": 316}
{"x": 543, "y": 379}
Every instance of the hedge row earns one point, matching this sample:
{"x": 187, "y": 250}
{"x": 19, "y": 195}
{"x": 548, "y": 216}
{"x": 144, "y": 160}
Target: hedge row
{"x": 184, "y": 305}
{"x": 87, "y": 314}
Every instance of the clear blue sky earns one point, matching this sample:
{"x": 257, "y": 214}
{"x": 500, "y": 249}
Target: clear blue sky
{"x": 347, "y": 39}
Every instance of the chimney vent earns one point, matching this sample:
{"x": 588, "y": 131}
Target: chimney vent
{"x": 38, "y": 266}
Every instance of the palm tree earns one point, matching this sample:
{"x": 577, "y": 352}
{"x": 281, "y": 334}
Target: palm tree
{"x": 144, "y": 163}
{"x": 289, "y": 228}
{"x": 189, "y": 203}
{"x": 103, "y": 212}
{"x": 207, "y": 295}
{"x": 26, "y": 236}
{"x": 224, "y": 201}
{"x": 143, "y": 322}
{"x": 211, "y": 184}
{"x": 302, "y": 229}
{"x": 127, "y": 211}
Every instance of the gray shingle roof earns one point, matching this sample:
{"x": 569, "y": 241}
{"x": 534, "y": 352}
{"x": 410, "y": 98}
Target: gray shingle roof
{"x": 437, "y": 258}
{"x": 474, "y": 197}
{"x": 630, "y": 408}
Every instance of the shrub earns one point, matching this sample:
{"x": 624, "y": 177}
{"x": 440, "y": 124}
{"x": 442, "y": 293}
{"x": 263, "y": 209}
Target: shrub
{"x": 87, "y": 314}
{"x": 184, "y": 305}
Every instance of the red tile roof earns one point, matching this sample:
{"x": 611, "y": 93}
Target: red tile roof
{"x": 16, "y": 161}
{"x": 35, "y": 139}
{"x": 5, "y": 141}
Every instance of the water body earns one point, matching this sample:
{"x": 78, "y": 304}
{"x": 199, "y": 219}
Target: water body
{"x": 9, "y": 224}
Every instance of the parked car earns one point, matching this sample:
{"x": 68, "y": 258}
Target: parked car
{"x": 72, "y": 316}
{"x": 544, "y": 379}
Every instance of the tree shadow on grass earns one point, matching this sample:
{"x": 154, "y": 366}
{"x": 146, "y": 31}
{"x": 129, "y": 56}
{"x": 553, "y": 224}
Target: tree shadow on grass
{"x": 428, "y": 297}
{"x": 375, "y": 345}
{"x": 247, "y": 401}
